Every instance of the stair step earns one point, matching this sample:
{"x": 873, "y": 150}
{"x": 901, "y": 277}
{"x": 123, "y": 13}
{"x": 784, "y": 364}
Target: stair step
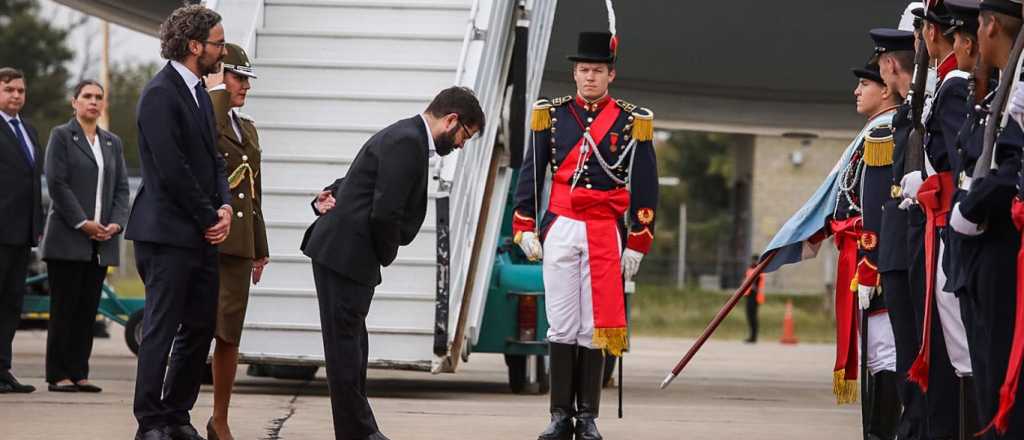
{"x": 282, "y": 170}
{"x": 367, "y": 16}
{"x": 387, "y": 310}
{"x": 303, "y": 139}
{"x": 284, "y": 238}
{"x": 334, "y": 108}
{"x": 295, "y": 271}
{"x": 366, "y": 47}
{"x": 331, "y": 77}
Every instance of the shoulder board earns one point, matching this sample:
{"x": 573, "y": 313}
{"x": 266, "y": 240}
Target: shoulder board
{"x": 878, "y": 147}
{"x": 628, "y": 107}
{"x": 561, "y": 100}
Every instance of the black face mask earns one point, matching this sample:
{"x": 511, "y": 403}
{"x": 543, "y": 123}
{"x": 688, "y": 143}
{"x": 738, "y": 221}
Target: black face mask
{"x": 445, "y": 143}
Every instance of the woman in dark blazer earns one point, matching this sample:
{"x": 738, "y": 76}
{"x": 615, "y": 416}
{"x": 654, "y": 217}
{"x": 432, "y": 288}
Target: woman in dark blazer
{"x": 88, "y": 184}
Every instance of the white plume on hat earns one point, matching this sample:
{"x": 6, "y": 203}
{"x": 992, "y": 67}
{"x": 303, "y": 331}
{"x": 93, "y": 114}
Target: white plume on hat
{"x": 907, "y": 20}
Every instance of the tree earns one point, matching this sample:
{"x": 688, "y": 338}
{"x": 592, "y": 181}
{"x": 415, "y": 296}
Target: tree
{"x": 126, "y": 83}
{"x": 704, "y": 163}
{"x": 38, "y": 49}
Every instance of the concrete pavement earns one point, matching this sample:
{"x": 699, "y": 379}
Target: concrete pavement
{"x": 731, "y": 391}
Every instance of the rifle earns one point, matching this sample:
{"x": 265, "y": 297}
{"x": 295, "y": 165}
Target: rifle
{"x": 995, "y": 115}
{"x": 915, "y": 144}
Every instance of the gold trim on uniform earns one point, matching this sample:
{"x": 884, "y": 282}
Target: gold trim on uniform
{"x": 878, "y": 151}
{"x": 896, "y": 192}
{"x": 541, "y": 118}
{"x": 645, "y": 215}
{"x": 561, "y": 100}
{"x": 868, "y": 241}
{"x": 643, "y": 124}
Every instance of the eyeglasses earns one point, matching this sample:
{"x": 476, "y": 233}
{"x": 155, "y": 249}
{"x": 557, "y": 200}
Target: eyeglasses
{"x": 219, "y": 44}
{"x": 465, "y": 131}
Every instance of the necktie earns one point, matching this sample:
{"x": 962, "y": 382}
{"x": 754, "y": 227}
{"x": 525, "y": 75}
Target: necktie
{"x": 205, "y": 106}
{"x": 24, "y": 144}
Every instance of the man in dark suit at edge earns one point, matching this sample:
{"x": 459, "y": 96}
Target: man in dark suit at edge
{"x": 181, "y": 213}
{"x": 383, "y": 202}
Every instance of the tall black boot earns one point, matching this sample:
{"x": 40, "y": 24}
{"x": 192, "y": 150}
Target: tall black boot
{"x": 563, "y": 390}
{"x": 886, "y": 408}
{"x": 969, "y": 415}
{"x": 590, "y": 369}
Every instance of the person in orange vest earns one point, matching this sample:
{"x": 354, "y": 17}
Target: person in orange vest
{"x": 755, "y": 297}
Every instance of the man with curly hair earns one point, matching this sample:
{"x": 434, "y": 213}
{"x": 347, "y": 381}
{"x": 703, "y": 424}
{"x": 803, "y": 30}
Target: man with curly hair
{"x": 181, "y": 213}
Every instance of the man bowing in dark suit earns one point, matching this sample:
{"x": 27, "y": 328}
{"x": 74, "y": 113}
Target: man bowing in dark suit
{"x": 384, "y": 201}
{"x": 180, "y": 214}
{"x": 21, "y": 163}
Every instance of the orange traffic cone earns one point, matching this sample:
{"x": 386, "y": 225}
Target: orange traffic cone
{"x": 788, "y": 335}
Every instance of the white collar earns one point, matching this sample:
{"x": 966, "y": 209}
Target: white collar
{"x": 190, "y": 78}
{"x": 431, "y": 150}
{"x": 7, "y": 117}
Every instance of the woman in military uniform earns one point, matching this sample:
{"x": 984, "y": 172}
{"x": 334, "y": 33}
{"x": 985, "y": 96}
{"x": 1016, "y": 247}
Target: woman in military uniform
{"x": 244, "y": 254}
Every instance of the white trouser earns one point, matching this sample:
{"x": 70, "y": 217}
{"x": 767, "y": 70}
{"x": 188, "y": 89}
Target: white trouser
{"x": 952, "y": 323}
{"x": 881, "y": 344}
{"x": 567, "y": 291}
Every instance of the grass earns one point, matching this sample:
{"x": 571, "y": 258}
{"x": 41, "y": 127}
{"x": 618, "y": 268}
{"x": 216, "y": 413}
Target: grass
{"x": 663, "y": 311}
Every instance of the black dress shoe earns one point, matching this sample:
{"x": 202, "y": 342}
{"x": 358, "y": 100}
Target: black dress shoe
{"x": 88, "y": 388}
{"x": 10, "y": 384}
{"x": 183, "y": 432}
{"x": 66, "y": 388}
{"x": 152, "y": 434}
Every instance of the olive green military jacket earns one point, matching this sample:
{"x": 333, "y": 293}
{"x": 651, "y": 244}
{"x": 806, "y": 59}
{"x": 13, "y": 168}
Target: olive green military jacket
{"x": 248, "y": 237}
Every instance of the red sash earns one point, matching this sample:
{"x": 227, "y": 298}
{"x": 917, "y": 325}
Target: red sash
{"x": 1008, "y": 392}
{"x": 844, "y": 380}
{"x": 601, "y": 211}
{"x": 936, "y": 198}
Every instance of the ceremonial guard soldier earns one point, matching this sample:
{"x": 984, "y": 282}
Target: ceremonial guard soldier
{"x": 863, "y": 188}
{"x": 603, "y": 195}
{"x": 942, "y": 363}
{"x": 895, "y": 49}
{"x": 988, "y": 240}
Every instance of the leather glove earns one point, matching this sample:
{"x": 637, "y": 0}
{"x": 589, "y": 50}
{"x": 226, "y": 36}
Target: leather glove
{"x": 911, "y": 183}
{"x": 631, "y": 263}
{"x": 531, "y": 246}
{"x": 864, "y": 294}
{"x": 962, "y": 225}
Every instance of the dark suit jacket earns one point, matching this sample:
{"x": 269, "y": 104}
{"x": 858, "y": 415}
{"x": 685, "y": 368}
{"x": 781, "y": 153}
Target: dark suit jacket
{"x": 381, "y": 204}
{"x": 71, "y": 175}
{"x": 20, "y": 188}
{"x": 183, "y": 180}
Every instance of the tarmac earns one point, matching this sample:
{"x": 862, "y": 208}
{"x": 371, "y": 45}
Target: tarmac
{"x": 731, "y": 390}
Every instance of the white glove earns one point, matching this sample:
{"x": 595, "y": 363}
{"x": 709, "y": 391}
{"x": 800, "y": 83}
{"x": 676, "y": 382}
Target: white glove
{"x": 911, "y": 184}
{"x": 864, "y": 294}
{"x": 962, "y": 225}
{"x": 631, "y": 263}
{"x": 531, "y": 246}
{"x": 905, "y": 204}
{"x": 1016, "y": 108}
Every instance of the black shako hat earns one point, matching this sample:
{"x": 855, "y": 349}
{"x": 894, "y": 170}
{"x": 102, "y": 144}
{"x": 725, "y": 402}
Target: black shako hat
{"x": 964, "y": 14}
{"x": 595, "y": 47}
{"x": 892, "y": 40}
{"x": 869, "y": 71}
{"x": 1008, "y": 7}
{"x": 938, "y": 14}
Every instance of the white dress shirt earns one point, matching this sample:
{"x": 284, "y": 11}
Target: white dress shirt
{"x": 97, "y": 152}
{"x": 233, "y": 116}
{"x": 21, "y": 127}
{"x": 191, "y": 80}
{"x": 431, "y": 150}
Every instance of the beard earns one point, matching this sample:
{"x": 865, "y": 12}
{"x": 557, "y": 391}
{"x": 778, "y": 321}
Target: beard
{"x": 445, "y": 143}
{"x": 209, "y": 63}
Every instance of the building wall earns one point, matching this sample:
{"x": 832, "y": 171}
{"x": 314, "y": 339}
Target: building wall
{"x": 780, "y": 188}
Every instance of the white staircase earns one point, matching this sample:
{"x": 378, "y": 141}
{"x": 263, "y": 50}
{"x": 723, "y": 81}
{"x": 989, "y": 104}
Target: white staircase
{"x": 331, "y": 73}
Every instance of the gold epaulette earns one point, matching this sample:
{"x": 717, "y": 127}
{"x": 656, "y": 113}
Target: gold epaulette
{"x": 642, "y": 119}
{"x": 541, "y": 118}
{"x": 878, "y": 150}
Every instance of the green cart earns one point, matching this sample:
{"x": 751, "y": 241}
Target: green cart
{"x": 124, "y": 311}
